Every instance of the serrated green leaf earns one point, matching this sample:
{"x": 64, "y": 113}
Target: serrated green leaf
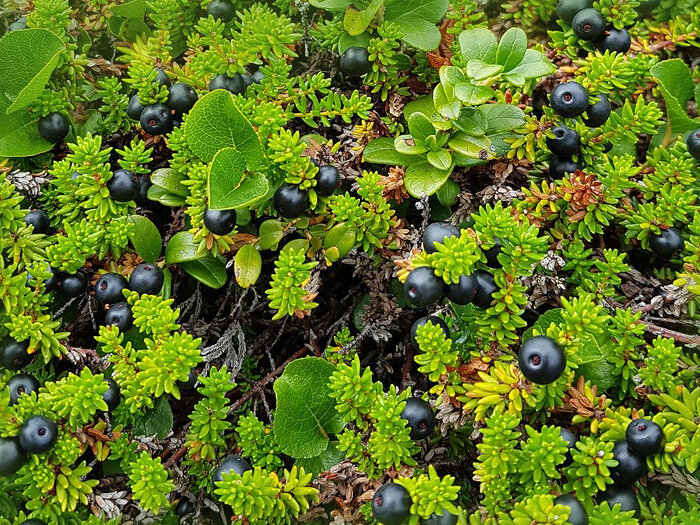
{"x": 356, "y": 21}
{"x": 19, "y": 134}
{"x": 306, "y": 416}
{"x": 229, "y": 185}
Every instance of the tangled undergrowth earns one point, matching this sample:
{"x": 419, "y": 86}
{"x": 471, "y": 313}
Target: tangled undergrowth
{"x": 424, "y": 262}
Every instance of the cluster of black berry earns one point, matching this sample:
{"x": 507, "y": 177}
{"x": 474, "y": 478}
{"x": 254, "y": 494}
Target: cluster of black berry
{"x": 391, "y": 505}
{"x": 290, "y": 201}
{"x": 571, "y": 100}
{"x": 588, "y": 24}
{"x": 146, "y": 278}
{"x": 159, "y": 118}
{"x": 423, "y": 287}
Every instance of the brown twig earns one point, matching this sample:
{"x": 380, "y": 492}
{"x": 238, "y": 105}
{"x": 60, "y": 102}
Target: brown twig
{"x": 680, "y": 337}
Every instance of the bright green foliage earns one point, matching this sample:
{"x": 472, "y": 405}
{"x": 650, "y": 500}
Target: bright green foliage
{"x": 542, "y": 453}
{"x": 431, "y": 494}
{"x": 209, "y": 415}
{"x": 257, "y": 443}
{"x": 437, "y": 351}
{"x": 590, "y": 470}
{"x": 264, "y": 498}
{"x": 77, "y": 398}
{"x": 287, "y": 291}
{"x": 537, "y": 509}
{"x": 149, "y": 482}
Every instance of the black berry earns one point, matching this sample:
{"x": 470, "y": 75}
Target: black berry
{"x": 446, "y": 518}
{"x": 21, "y": 384}
{"x": 18, "y": 25}
{"x": 219, "y": 82}
{"x": 559, "y": 167}
{"x": 290, "y": 201}
{"x": 123, "y": 186}
{"x": 221, "y": 9}
{"x": 234, "y": 463}
{"x": 578, "y": 514}
{"x": 162, "y": 77}
{"x": 38, "y": 434}
{"x": 119, "y": 315}
{"x": 72, "y": 285}
{"x": 462, "y": 292}
{"x": 192, "y": 377}
{"x": 181, "y": 97}
{"x": 142, "y": 196}
{"x": 135, "y": 108}
{"x": 184, "y": 507}
{"x": 327, "y": 180}
{"x": 391, "y": 504}
{"x": 146, "y": 278}
{"x": 257, "y": 77}
{"x": 588, "y": 24}
{"x": 492, "y": 254}
{"x": 109, "y": 287}
{"x": 355, "y": 61}
{"x": 419, "y": 417}
{"x": 438, "y": 232}
{"x": 40, "y": 220}
{"x": 617, "y": 40}
{"x": 567, "y": 9}
{"x": 644, "y": 437}
{"x": 570, "y": 439}
{"x": 541, "y": 360}
{"x": 156, "y": 119}
{"x": 14, "y": 355}
{"x": 630, "y": 466}
{"x": 234, "y": 84}
{"x": 620, "y": 495}
{"x": 569, "y": 99}
{"x": 33, "y": 521}
{"x": 54, "y": 127}
{"x": 667, "y": 244}
{"x": 12, "y": 457}
{"x": 423, "y": 287}
{"x": 485, "y": 288}
{"x": 566, "y": 142}
{"x": 692, "y": 142}
{"x": 220, "y": 222}
{"x": 598, "y": 112}
{"x": 435, "y": 320}
{"x": 112, "y": 396}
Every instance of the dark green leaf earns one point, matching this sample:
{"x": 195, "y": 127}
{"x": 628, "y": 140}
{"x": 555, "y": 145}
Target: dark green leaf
{"x": 208, "y": 270}
{"x": 145, "y": 238}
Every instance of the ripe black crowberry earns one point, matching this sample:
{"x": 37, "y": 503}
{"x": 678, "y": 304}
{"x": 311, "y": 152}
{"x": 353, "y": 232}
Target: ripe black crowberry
{"x": 355, "y": 61}
{"x": 146, "y": 278}
{"x": 435, "y": 320}
{"x": 620, "y": 495}
{"x": 21, "y": 384}
{"x": 327, "y": 180}
{"x": 40, "y": 220}
{"x": 567, "y": 9}
{"x": 446, "y": 518}
{"x": 38, "y": 434}
{"x": 667, "y": 244}
{"x": 162, "y": 77}
{"x": 119, "y": 315}
{"x": 423, "y": 287}
{"x": 123, "y": 186}
{"x": 184, "y": 507}
{"x": 181, "y": 97}
{"x": 617, "y": 40}
{"x": 141, "y": 198}
{"x": 14, "y": 355}
{"x": 54, "y": 127}
{"x": 135, "y": 108}
{"x": 188, "y": 384}
{"x": 569, "y": 99}
{"x": 630, "y": 466}
{"x": 485, "y": 288}
{"x": 290, "y": 201}
{"x": 462, "y": 292}
{"x": 598, "y": 112}
{"x": 541, "y": 360}
{"x": 112, "y": 396}
{"x": 578, "y": 514}
{"x": 692, "y": 141}
{"x": 72, "y": 285}
{"x": 156, "y": 119}
{"x": 560, "y": 166}
{"x": 220, "y": 222}
{"x": 419, "y": 418}
{"x": 33, "y": 521}
{"x": 109, "y": 288}
{"x": 391, "y": 504}
{"x": 644, "y": 437}
{"x": 588, "y": 24}
{"x": 566, "y": 142}
{"x": 570, "y": 439}
{"x": 438, "y": 232}
{"x": 222, "y": 10}
{"x": 12, "y": 456}
{"x": 233, "y": 84}
{"x": 233, "y": 463}
{"x": 492, "y": 254}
